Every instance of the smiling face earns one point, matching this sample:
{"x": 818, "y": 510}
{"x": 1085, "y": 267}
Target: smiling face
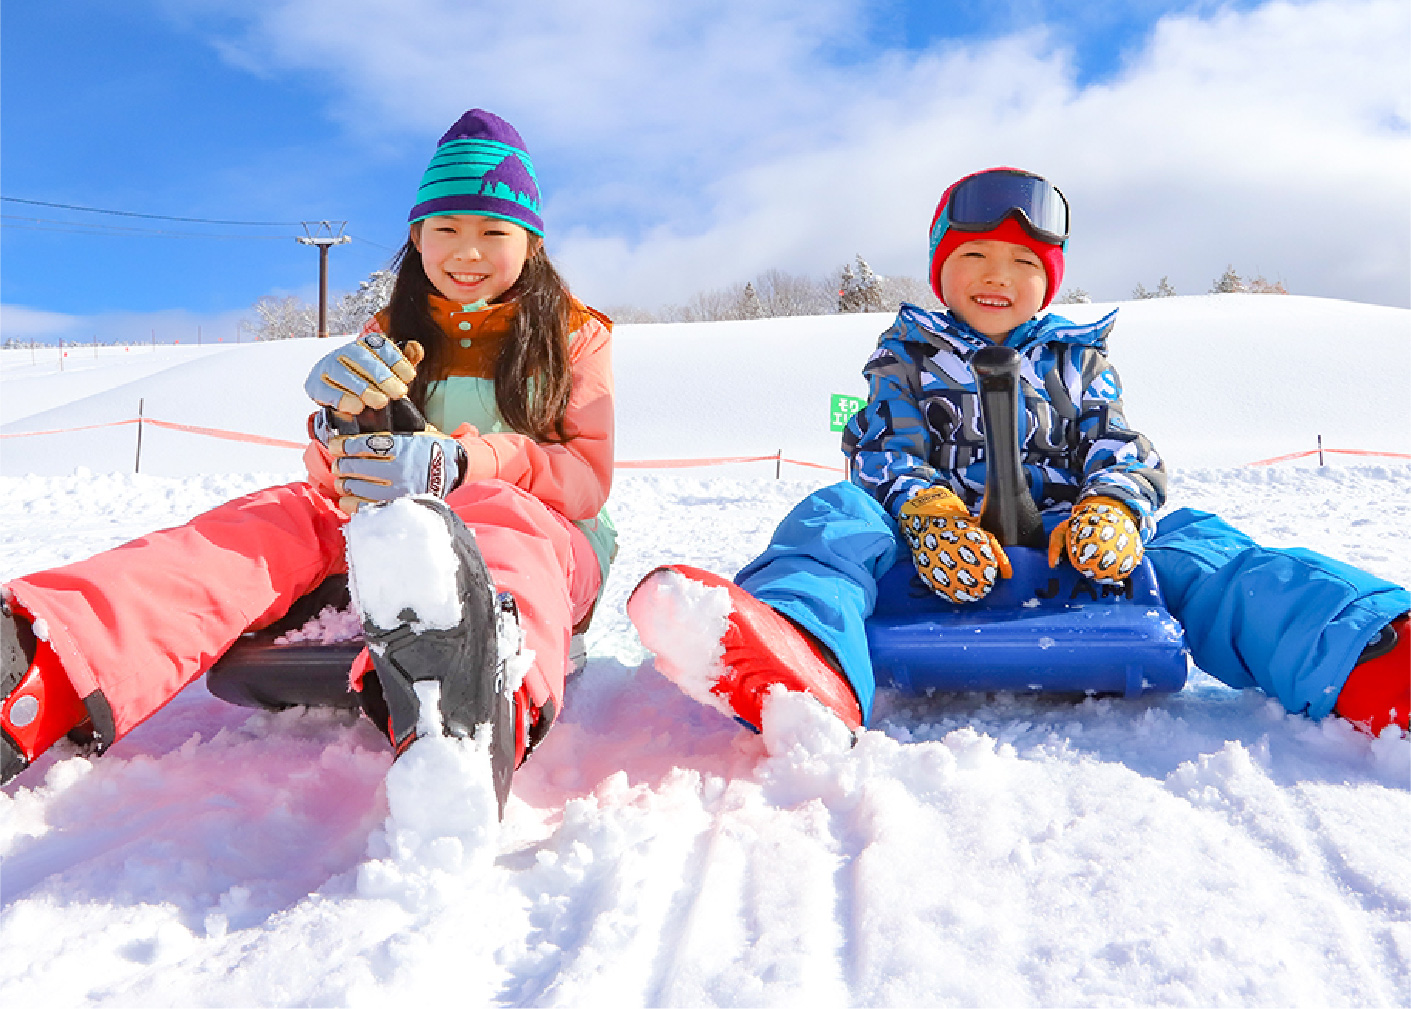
{"x": 470, "y": 258}
{"x": 993, "y": 286}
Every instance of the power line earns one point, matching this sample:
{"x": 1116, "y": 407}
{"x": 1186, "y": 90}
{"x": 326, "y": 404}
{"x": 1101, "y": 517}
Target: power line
{"x": 375, "y": 245}
{"x": 84, "y": 228}
{"x": 152, "y": 217}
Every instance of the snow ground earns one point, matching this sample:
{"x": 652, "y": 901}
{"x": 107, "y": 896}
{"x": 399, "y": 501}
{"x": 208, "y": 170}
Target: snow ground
{"x": 1197, "y": 849}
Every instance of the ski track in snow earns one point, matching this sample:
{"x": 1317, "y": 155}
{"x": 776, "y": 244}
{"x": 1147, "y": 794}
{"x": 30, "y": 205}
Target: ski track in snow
{"x": 1201, "y": 848}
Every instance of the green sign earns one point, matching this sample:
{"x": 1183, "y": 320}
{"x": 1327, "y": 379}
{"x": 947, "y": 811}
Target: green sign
{"x": 843, "y": 408}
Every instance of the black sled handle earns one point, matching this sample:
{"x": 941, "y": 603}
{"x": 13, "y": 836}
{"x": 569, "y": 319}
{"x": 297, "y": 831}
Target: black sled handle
{"x": 399, "y": 416}
{"x": 1008, "y": 510}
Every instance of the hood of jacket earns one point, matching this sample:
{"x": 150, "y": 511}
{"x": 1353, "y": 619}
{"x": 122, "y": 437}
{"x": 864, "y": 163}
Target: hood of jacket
{"x": 944, "y": 329}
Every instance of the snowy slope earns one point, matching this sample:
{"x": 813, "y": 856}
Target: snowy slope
{"x": 1199, "y": 849}
{"x": 1269, "y": 375}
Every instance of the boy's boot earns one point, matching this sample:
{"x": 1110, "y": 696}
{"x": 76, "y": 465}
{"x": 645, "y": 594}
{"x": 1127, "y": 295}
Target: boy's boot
{"x": 725, "y": 648}
{"x": 469, "y": 659}
{"x": 1378, "y": 691}
{"x": 38, "y": 704}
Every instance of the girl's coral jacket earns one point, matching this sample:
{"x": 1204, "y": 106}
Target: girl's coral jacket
{"x": 573, "y": 478}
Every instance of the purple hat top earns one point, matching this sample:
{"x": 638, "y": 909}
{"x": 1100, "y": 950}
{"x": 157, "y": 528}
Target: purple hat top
{"x": 481, "y": 167}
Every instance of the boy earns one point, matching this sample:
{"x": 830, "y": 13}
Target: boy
{"x": 1322, "y": 636}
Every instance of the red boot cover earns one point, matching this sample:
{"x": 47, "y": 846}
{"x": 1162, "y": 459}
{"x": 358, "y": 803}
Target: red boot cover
{"x": 43, "y": 706}
{"x": 751, "y": 647}
{"x": 1378, "y": 693}
{"x": 525, "y": 715}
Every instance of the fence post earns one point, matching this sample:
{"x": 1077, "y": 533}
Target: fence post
{"x": 778, "y": 462}
{"x": 137, "y": 464}
{"x": 1320, "y": 450}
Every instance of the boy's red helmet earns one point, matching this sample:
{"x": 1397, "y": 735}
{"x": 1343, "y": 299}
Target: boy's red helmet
{"x": 1014, "y": 226}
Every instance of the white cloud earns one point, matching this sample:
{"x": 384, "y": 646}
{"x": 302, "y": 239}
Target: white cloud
{"x": 20, "y": 323}
{"x": 689, "y": 145}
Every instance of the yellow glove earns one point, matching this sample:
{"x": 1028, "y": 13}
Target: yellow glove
{"x": 1102, "y": 540}
{"x": 953, "y": 555}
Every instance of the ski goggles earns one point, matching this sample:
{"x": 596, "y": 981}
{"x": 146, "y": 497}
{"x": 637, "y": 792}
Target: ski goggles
{"x": 982, "y": 202}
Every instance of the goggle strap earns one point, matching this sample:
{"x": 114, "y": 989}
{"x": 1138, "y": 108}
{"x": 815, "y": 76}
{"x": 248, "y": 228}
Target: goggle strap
{"x": 944, "y": 224}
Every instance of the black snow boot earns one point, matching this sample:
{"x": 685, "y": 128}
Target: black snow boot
{"x": 466, "y": 658}
{"x": 16, "y": 653}
{"x": 37, "y": 702}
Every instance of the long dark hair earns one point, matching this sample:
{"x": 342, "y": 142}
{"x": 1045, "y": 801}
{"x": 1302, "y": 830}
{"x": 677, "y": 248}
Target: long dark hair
{"x": 532, "y": 376}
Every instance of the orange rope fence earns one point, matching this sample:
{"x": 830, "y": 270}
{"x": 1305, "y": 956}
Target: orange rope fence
{"x": 777, "y": 458}
{"x": 717, "y": 461}
{"x": 255, "y": 439}
{"x": 1328, "y": 451}
{"x": 209, "y": 432}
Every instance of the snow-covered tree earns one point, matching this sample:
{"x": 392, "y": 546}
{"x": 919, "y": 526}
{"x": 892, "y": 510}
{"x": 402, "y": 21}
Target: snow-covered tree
{"x": 354, "y": 309}
{"x": 771, "y": 294}
{"x": 1163, "y": 290}
{"x": 627, "y": 315}
{"x": 284, "y": 318}
{"x": 1261, "y": 286}
{"x": 846, "y": 281}
{"x": 712, "y": 306}
{"x": 896, "y": 290}
{"x": 788, "y": 294}
{"x": 860, "y": 290}
{"x": 750, "y": 306}
{"x": 290, "y": 317}
{"x": 1228, "y": 282}
{"x": 1075, "y": 296}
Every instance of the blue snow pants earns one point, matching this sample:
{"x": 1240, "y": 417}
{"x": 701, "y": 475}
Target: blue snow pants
{"x": 1289, "y": 621}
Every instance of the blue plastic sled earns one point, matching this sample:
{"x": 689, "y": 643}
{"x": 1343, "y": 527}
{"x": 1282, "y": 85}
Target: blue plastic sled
{"x": 1045, "y": 629}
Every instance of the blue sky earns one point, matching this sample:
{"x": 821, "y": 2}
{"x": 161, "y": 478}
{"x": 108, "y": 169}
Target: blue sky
{"x": 689, "y": 146}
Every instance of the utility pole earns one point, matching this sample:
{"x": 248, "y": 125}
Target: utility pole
{"x": 322, "y": 234}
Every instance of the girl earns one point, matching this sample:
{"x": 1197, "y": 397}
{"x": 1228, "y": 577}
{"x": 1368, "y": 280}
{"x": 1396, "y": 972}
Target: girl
{"x": 484, "y": 338}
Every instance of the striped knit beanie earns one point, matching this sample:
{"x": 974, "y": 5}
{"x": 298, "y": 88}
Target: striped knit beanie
{"x": 480, "y": 167}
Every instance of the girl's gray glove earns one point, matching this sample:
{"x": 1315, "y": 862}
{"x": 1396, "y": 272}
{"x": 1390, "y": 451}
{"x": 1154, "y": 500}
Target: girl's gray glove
{"x": 365, "y": 373}
{"x": 369, "y": 468}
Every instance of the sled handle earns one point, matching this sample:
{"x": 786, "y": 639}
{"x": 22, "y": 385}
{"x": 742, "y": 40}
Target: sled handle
{"x": 399, "y": 416}
{"x": 1008, "y": 510}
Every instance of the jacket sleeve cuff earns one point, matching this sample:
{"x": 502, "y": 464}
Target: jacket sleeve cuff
{"x": 481, "y": 463}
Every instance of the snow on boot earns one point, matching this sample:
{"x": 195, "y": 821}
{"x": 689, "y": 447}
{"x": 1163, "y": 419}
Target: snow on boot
{"x": 37, "y": 702}
{"x": 430, "y": 612}
{"x": 725, "y": 648}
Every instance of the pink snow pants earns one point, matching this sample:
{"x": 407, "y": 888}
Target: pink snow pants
{"x": 141, "y": 621}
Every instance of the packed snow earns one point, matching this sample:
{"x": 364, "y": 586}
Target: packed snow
{"x": 403, "y": 535}
{"x": 677, "y": 617}
{"x": 1202, "y": 848}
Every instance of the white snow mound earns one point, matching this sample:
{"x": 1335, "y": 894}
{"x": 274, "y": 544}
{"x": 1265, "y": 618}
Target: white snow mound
{"x": 682, "y": 623}
{"x": 400, "y": 558}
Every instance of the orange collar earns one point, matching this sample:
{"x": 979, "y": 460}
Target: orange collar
{"x": 473, "y": 320}
{"x": 474, "y": 335}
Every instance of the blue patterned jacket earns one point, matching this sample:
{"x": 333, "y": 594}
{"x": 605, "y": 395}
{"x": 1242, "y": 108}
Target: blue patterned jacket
{"x": 921, "y": 425}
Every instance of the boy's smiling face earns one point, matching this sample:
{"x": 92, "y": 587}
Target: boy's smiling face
{"x": 993, "y": 286}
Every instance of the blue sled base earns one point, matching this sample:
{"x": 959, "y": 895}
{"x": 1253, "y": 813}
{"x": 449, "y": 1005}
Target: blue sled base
{"x": 1045, "y": 629}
